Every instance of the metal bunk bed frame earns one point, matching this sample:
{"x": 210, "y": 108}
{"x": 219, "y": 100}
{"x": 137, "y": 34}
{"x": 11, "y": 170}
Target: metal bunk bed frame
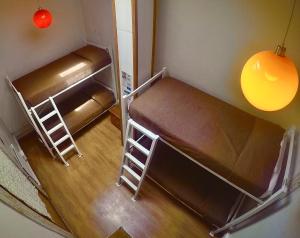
{"x": 32, "y": 114}
{"x": 265, "y": 200}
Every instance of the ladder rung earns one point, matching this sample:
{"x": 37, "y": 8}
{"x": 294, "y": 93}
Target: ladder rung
{"x": 51, "y": 114}
{"x": 134, "y": 174}
{"x": 139, "y": 146}
{"x": 129, "y": 182}
{"x": 67, "y": 150}
{"x": 60, "y": 125}
{"x": 135, "y": 160}
{"x": 143, "y": 130}
{"x": 61, "y": 140}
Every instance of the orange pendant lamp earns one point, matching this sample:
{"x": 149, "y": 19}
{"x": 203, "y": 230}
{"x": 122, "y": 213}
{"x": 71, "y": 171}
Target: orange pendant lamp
{"x": 269, "y": 80}
{"x": 42, "y": 18}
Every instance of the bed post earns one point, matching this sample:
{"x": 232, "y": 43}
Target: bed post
{"x": 22, "y": 103}
{"x": 164, "y": 72}
{"x": 113, "y": 73}
{"x": 124, "y": 108}
{"x": 126, "y": 99}
{"x": 274, "y": 197}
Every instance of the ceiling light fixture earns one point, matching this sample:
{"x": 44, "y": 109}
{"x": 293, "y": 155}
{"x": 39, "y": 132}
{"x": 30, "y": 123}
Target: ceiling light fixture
{"x": 269, "y": 80}
{"x": 42, "y": 18}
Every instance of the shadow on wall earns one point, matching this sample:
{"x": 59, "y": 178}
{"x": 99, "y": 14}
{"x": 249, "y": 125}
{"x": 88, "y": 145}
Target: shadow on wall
{"x": 13, "y": 118}
{"x": 286, "y": 117}
{"x": 265, "y": 213}
{"x": 206, "y": 44}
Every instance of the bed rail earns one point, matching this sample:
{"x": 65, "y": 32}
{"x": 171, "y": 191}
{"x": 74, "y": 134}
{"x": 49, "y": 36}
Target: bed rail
{"x": 72, "y": 86}
{"x": 126, "y": 99}
{"x": 291, "y": 133}
{"x": 147, "y": 83}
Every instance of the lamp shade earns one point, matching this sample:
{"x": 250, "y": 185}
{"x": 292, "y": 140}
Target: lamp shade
{"x": 42, "y": 18}
{"x": 269, "y": 81}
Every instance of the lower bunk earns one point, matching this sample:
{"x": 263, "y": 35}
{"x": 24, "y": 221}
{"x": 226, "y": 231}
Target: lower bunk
{"x": 78, "y": 109}
{"x": 81, "y": 106}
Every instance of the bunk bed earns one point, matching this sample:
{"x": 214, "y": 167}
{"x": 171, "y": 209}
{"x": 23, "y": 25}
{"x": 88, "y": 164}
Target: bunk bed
{"x": 64, "y": 96}
{"x": 249, "y": 154}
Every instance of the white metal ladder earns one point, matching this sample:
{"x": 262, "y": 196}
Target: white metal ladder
{"x": 128, "y": 158}
{"x": 61, "y": 124}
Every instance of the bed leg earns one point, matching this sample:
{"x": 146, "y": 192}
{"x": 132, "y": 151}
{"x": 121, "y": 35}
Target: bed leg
{"x": 236, "y": 221}
{"x": 80, "y": 156}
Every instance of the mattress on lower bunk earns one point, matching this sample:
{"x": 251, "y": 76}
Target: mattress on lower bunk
{"x": 240, "y": 147}
{"x": 48, "y": 80}
{"x": 80, "y": 110}
{"x": 82, "y": 107}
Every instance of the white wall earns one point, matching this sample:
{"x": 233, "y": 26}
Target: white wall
{"x": 25, "y": 48}
{"x": 15, "y": 225}
{"x": 98, "y": 21}
{"x": 124, "y": 10}
{"x": 207, "y": 42}
{"x": 145, "y": 39}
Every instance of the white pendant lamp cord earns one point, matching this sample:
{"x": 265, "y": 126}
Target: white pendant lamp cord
{"x": 290, "y": 21}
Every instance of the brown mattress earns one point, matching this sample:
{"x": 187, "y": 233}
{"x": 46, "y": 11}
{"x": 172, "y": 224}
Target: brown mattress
{"x": 235, "y": 144}
{"x": 100, "y": 94}
{"x": 60, "y": 74}
{"x": 79, "y": 108}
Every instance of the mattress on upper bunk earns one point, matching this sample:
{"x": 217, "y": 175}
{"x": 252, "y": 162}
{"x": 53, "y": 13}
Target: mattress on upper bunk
{"x": 240, "y": 147}
{"x": 48, "y": 80}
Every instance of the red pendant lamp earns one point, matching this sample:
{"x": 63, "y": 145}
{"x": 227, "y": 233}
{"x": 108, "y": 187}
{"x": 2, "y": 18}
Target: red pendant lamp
{"x": 42, "y": 18}
{"x": 269, "y": 80}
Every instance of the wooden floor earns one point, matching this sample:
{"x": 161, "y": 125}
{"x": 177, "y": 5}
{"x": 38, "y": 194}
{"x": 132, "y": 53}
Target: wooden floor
{"x": 90, "y": 203}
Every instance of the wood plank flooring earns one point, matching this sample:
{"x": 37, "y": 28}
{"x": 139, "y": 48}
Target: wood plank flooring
{"x": 90, "y": 203}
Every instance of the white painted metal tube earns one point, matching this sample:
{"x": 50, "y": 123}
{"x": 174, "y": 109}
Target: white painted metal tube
{"x": 214, "y": 173}
{"x": 125, "y": 99}
{"x": 143, "y": 129}
{"x": 125, "y": 133}
{"x": 73, "y": 85}
{"x": 149, "y": 81}
{"x": 22, "y": 103}
{"x": 148, "y": 161}
{"x": 65, "y": 126}
{"x": 124, "y": 109}
{"x": 277, "y": 169}
{"x": 275, "y": 197}
{"x": 291, "y": 133}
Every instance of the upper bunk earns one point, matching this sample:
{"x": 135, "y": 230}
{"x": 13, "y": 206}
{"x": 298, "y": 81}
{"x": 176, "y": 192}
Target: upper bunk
{"x": 60, "y": 74}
